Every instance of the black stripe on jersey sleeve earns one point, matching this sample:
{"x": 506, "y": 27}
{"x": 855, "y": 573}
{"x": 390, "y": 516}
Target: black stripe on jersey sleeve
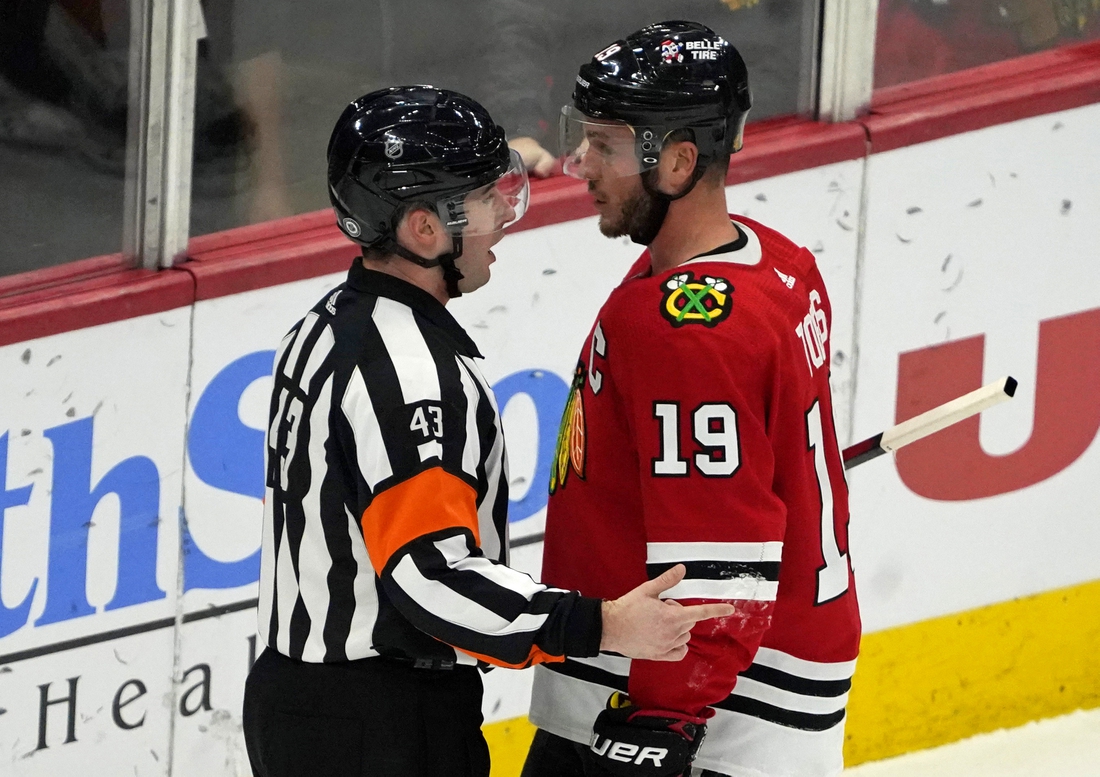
{"x": 487, "y": 430}
{"x": 384, "y": 390}
{"x": 503, "y": 602}
{"x": 395, "y": 635}
{"x": 500, "y": 515}
{"x": 279, "y": 366}
{"x": 795, "y": 684}
{"x": 804, "y": 721}
{"x": 590, "y": 674}
{"x": 277, "y": 531}
{"x": 304, "y": 354}
{"x": 452, "y": 397}
{"x": 294, "y": 529}
{"x": 719, "y": 570}
{"x": 338, "y": 540}
{"x": 791, "y": 719}
{"x": 572, "y": 625}
{"x": 394, "y": 415}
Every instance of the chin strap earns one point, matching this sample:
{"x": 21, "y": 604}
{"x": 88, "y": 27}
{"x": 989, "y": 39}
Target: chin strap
{"x": 451, "y": 274}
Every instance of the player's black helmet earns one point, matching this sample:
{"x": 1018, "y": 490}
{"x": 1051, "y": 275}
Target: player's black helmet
{"x": 418, "y": 145}
{"x": 667, "y": 76}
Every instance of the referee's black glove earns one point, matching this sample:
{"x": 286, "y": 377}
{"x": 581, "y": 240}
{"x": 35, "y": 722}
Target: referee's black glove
{"x": 631, "y": 742}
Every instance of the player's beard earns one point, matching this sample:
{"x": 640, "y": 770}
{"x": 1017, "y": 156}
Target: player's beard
{"x": 640, "y": 217}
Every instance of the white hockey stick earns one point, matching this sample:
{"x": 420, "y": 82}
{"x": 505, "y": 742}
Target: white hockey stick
{"x": 930, "y": 422}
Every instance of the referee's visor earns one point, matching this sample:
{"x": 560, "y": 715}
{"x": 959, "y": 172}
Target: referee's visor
{"x": 492, "y": 207}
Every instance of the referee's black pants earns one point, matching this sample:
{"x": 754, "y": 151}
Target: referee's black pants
{"x": 369, "y": 718}
{"x": 554, "y": 756}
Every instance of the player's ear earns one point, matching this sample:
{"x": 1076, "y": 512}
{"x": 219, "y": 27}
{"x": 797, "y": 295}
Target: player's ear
{"x": 677, "y": 164}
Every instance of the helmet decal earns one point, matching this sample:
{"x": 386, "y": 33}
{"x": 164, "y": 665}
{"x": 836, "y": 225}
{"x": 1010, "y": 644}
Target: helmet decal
{"x": 614, "y": 48}
{"x": 395, "y": 147}
{"x": 352, "y": 227}
{"x": 705, "y": 49}
{"x": 670, "y": 51}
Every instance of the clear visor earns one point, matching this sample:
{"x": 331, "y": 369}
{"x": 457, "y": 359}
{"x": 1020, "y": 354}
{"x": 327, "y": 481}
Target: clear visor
{"x": 597, "y": 148}
{"x": 492, "y": 207}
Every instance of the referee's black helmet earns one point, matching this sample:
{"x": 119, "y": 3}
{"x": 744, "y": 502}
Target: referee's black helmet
{"x": 674, "y": 75}
{"x": 418, "y": 146}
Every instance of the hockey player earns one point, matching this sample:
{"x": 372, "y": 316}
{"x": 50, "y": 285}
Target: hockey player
{"x": 698, "y": 431}
{"x": 382, "y": 581}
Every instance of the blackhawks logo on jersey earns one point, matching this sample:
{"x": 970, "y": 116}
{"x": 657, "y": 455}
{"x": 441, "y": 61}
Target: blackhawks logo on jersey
{"x": 688, "y": 300}
{"x": 570, "y": 448}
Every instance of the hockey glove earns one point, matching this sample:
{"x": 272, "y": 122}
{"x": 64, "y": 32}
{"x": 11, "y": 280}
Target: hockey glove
{"x": 631, "y": 742}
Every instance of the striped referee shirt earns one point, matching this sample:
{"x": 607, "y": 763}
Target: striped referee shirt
{"x": 385, "y": 518}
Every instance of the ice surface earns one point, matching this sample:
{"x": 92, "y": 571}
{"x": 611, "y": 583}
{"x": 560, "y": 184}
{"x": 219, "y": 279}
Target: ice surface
{"x": 1067, "y": 746}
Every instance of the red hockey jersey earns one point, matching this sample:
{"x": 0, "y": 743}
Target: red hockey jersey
{"x": 699, "y": 430}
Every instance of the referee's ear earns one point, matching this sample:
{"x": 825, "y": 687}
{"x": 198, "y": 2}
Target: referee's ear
{"x": 421, "y": 232}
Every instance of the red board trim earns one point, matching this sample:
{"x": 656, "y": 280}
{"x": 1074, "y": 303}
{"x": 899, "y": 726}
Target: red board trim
{"x": 93, "y": 301}
{"x": 994, "y": 94}
{"x": 100, "y": 290}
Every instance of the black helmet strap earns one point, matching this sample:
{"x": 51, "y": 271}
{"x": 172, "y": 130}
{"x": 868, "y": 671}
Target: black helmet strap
{"x": 451, "y": 274}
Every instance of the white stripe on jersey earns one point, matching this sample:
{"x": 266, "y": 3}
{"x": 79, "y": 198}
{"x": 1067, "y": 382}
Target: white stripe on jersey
{"x": 432, "y": 449}
{"x": 566, "y": 706}
{"x": 360, "y": 641}
{"x": 304, "y": 331}
{"x": 267, "y": 531}
{"x": 800, "y": 667}
{"x": 742, "y": 744}
{"x": 496, "y": 470}
{"x": 789, "y": 700}
{"x": 448, "y": 605}
{"x": 317, "y": 354}
{"x": 370, "y": 449}
{"x": 267, "y": 566}
{"x": 313, "y": 556}
{"x": 458, "y": 556}
{"x": 272, "y": 429}
{"x": 409, "y": 354}
{"x": 286, "y": 593}
{"x": 675, "y": 552}
{"x": 744, "y": 587}
{"x": 471, "y": 453}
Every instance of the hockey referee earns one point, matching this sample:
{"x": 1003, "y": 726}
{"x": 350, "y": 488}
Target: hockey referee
{"x": 383, "y": 583}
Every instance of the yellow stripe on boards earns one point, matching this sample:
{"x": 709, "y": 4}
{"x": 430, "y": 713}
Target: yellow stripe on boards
{"x": 1000, "y": 666}
{"x": 937, "y": 681}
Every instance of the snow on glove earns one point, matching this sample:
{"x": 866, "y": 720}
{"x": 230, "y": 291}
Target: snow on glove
{"x": 631, "y": 742}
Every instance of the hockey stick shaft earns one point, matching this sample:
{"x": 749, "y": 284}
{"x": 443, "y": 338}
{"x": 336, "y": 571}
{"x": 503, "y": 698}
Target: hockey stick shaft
{"x": 929, "y": 422}
{"x": 904, "y": 433}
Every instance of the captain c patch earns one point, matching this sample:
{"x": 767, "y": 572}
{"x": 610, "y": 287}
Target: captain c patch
{"x": 689, "y": 300}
